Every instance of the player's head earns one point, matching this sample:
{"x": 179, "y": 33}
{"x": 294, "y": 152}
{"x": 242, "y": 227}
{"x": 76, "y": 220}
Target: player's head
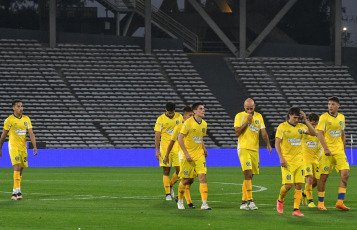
{"x": 249, "y": 105}
{"x": 198, "y": 109}
{"x": 333, "y": 105}
{"x": 17, "y": 107}
{"x": 170, "y": 109}
{"x": 294, "y": 115}
{"x": 314, "y": 119}
{"x": 187, "y": 112}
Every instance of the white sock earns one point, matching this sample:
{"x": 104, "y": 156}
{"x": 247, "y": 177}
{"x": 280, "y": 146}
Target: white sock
{"x": 180, "y": 201}
{"x": 14, "y": 191}
{"x": 204, "y": 202}
{"x": 18, "y": 190}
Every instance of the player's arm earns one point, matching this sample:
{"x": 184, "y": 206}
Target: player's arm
{"x": 204, "y": 149}
{"x": 157, "y": 144}
{"x": 240, "y": 130}
{"x": 2, "y": 139}
{"x": 33, "y": 141}
{"x": 169, "y": 148}
{"x": 183, "y": 148}
{"x": 311, "y": 130}
{"x": 343, "y": 137}
{"x": 278, "y": 150}
{"x": 323, "y": 142}
{"x": 266, "y": 139}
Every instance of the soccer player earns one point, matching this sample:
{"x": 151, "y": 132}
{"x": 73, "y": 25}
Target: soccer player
{"x": 17, "y": 125}
{"x": 288, "y": 145}
{"x": 164, "y": 128}
{"x": 310, "y": 154}
{"x": 247, "y": 126}
{"x": 187, "y": 113}
{"x": 331, "y": 132}
{"x": 195, "y": 153}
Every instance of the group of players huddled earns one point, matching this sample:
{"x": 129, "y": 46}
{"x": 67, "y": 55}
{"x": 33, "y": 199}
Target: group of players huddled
{"x": 307, "y": 152}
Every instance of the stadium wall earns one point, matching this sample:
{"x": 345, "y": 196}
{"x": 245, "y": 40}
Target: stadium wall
{"x": 133, "y": 158}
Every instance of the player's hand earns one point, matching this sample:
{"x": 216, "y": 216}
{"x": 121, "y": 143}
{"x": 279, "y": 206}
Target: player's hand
{"x": 205, "y": 152}
{"x": 35, "y": 151}
{"x": 302, "y": 115}
{"x": 250, "y": 117}
{"x": 270, "y": 149}
{"x": 328, "y": 152}
{"x": 283, "y": 162}
{"x": 188, "y": 157}
{"x": 158, "y": 154}
{"x": 166, "y": 160}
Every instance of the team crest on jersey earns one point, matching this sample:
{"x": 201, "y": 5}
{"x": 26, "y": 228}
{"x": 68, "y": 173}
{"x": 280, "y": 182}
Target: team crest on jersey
{"x": 17, "y": 158}
{"x": 193, "y": 130}
{"x": 299, "y": 131}
{"x": 326, "y": 168}
{"x": 341, "y": 123}
{"x": 288, "y": 177}
{"x": 185, "y": 172}
{"x": 177, "y": 122}
{"x": 329, "y": 123}
{"x": 248, "y": 163}
{"x": 25, "y": 123}
{"x": 308, "y": 169}
{"x": 257, "y": 122}
{"x": 203, "y": 130}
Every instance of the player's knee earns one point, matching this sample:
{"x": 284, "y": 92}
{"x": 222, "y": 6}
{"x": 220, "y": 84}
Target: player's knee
{"x": 344, "y": 176}
{"x": 288, "y": 186}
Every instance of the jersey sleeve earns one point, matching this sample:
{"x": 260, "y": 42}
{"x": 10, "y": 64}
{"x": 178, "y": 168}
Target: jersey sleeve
{"x": 185, "y": 128}
{"x": 205, "y": 133}
{"x": 305, "y": 128}
{"x": 7, "y": 124}
{"x": 344, "y": 123}
{"x": 175, "y": 134}
{"x": 29, "y": 126}
{"x": 262, "y": 124}
{"x": 158, "y": 125}
{"x": 238, "y": 120}
{"x": 280, "y": 132}
{"x": 322, "y": 123}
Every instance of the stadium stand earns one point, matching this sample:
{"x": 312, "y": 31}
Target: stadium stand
{"x": 279, "y": 83}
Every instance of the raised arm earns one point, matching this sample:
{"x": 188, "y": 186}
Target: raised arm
{"x": 311, "y": 130}
{"x": 240, "y": 130}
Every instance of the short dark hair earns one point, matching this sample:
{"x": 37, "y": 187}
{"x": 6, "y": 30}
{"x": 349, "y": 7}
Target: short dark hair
{"x": 313, "y": 117}
{"x": 187, "y": 109}
{"x": 195, "y": 105}
{"x": 293, "y": 111}
{"x": 170, "y": 106}
{"x": 14, "y": 102}
{"x": 335, "y": 99}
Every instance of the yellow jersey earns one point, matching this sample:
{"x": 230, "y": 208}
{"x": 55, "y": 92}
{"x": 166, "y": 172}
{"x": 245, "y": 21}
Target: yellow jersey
{"x": 249, "y": 138}
{"x": 332, "y": 126}
{"x": 17, "y": 127}
{"x": 310, "y": 148}
{"x": 176, "y": 133}
{"x": 166, "y": 126}
{"x": 291, "y": 136}
{"x": 194, "y": 131}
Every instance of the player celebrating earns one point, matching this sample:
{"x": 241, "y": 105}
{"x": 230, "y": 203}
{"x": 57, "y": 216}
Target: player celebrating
{"x": 17, "y": 125}
{"x": 187, "y": 113}
{"x": 331, "y": 132}
{"x": 247, "y": 126}
{"x": 164, "y": 128}
{"x": 310, "y": 154}
{"x": 195, "y": 153}
{"x": 288, "y": 145}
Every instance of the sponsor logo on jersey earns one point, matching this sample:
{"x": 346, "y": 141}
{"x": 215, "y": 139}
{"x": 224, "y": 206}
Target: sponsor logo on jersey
{"x": 170, "y": 131}
{"x": 20, "y": 132}
{"x": 335, "y": 133}
{"x": 253, "y": 128}
{"x": 294, "y": 141}
{"x": 198, "y": 140}
{"x": 311, "y": 144}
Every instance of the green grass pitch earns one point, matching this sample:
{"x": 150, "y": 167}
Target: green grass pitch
{"x": 133, "y": 198}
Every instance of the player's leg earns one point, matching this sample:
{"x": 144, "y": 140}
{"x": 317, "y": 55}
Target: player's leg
{"x": 187, "y": 171}
{"x": 16, "y": 192}
{"x": 174, "y": 158}
{"x": 188, "y": 193}
{"x": 248, "y": 178}
{"x": 297, "y": 199}
{"x": 287, "y": 181}
{"x": 307, "y": 193}
{"x": 246, "y": 163}
{"x": 166, "y": 180}
{"x": 203, "y": 191}
{"x": 343, "y": 168}
{"x": 181, "y": 192}
{"x": 326, "y": 166}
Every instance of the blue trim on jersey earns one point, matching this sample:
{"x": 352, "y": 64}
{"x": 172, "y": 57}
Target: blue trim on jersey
{"x": 321, "y": 199}
{"x": 333, "y": 115}
{"x": 341, "y": 196}
{"x": 170, "y": 117}
{"x": 291, "y": 124}
{"x": 197, "y": 121}
{"x": 17, "y": 117}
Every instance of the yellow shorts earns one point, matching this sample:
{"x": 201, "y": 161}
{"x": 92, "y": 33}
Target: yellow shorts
{"x": 18, "y": 157}
{"x": 312, "y": 169}
{"x": 293, "y": 174}
{"x": 337, "y": 161}
{"x": 193, "y": 168}
{"x": 249, "y": 159}
{"x": 173, "y": 159}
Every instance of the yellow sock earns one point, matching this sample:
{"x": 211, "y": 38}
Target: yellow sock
{"x": 166, "y": 180}
{"x": 17, "y": 179}
{"x": 297, "y": 198}
{"x": 308, "y": 191}
{"x": 248, "y": 189}
{"x": 321, "y": 196}
{"x": 282, "y": 193}
{"x": 204, "y": 191}
{"x": 188, "y": 194}
{"x": 244, "y": 192}
{"x": 181, "y": 191}
{"x": 174, "y": 179}
{"x": 341, "y": 195}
